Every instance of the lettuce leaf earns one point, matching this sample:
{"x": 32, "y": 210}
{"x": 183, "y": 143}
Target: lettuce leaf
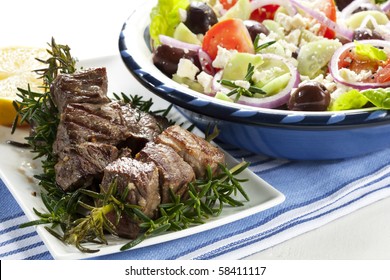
{"x": 380, "y": 97}
{"x": 164, "y": 18}
{"x": 370, "y": 52}
{"x": 352, "y": 99}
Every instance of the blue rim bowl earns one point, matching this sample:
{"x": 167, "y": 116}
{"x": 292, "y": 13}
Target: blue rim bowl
{"x": 295, "y": 135}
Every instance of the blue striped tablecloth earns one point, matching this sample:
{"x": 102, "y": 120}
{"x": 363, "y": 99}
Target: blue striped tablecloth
{"x": 316, "y": 193}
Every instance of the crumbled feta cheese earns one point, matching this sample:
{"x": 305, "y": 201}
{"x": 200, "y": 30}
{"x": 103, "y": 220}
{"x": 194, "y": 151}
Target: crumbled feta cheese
{"x": 242, "y": 83}
{"x": 352, "y": 76}
{"x": 293, "y": 39}
{"x": 183, "y": 15}
{"x": 186, "y": 69}
{"x": 314, "y": 27}
{"x": 290, "y": 23}
{"x": 206, "y": 81}
{"x": 223, "y": 57}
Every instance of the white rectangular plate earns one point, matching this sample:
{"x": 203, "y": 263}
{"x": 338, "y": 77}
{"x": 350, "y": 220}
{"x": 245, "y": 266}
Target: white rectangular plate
{"x": 17, "y": 169}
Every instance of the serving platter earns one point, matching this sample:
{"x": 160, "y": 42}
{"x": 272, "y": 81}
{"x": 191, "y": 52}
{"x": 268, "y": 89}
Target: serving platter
{"x": 17, "y": 168}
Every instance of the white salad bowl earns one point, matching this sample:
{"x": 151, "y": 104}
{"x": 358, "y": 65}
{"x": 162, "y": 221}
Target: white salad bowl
{"x": 296, "y": 135}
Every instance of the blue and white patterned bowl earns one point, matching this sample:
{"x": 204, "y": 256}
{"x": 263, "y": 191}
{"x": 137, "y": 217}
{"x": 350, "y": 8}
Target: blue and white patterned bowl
{"x": 276, "y": 133}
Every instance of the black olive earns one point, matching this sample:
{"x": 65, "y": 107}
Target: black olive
{"x": 167, "y": 58}
{"x": 341, "y": 4}
{"x": 366, "y": 34}
{"x": 365, "y": 7}
{"x": 255, "y": 28}
{"x": 200, "y": 17}
{"x": 311, "y": 96}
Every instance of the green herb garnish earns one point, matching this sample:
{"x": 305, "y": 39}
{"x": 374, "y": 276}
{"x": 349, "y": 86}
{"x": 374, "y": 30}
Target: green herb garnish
{"x": 258, "y": 47}
{"x": 239, "y": 90}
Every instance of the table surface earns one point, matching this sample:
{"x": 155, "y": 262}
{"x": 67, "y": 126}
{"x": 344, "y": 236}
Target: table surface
{"x": 91, "y": 29}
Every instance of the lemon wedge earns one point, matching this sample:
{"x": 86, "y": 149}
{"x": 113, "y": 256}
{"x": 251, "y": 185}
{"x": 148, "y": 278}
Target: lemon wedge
{"x": 16, "y": 71}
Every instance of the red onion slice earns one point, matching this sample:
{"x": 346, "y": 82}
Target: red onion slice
{"x": 206, "y": 62}
{"x": 280, "y": 98}
{"x": 166, "y": 40}
{"x": 216, "y": 85}
{"x": 334, "y": 68}
{"x": 339, "y": 29}
{"x": 352, "y": 7}
{"x": 386, "y": 7}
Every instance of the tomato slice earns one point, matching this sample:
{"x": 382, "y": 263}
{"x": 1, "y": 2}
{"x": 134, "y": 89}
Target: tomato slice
{"x": 328, "y": 7}
{"x": 383, "y": 75}
{"x": 230, "y": 34}
{"x": 227, "y": 4}
{"x": 349, "y": 60}
{"x": 265, "y": 12}
{"x": 381, "y": 69}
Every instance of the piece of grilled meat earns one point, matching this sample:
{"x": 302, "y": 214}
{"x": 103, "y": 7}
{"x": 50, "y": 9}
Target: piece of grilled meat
{"x": 175, "y": 173}
{"x": 89, "y": 86}
{"x": 140, "y": 180}
{"x": 196, "y": 151}
{"x": 82, "y": 163}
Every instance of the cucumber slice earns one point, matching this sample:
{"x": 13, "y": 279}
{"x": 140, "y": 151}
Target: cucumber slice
{"x": 268, "y": 71}
{"x": 237, "y": 66}
{"x": 308, "y": 36}
{"x": 194, "y": 85}
{"x": 314, "y": 56}
{"x": 275, "y": 27}
{"x": 184, "y": 34}
{"x": 355, "y": 20}
{"x": 276, "y": 85}
{"x": 242, "y": 9}
{"x": 275, "y": 48}
{"x": 222, "y": 96}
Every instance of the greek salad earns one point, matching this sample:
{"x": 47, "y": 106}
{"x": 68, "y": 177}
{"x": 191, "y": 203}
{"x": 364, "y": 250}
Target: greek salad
{"x": 303, "y": 55}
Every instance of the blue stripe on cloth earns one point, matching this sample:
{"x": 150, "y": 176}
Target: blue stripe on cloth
{"x": 22, "y": 249}
{"x": 41, "y": 256}
{"x": 11, "y": 215}
{"x": 19, "y": 238}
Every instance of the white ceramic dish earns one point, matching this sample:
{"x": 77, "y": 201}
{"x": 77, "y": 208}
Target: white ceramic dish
{"x": 18, "y": 173}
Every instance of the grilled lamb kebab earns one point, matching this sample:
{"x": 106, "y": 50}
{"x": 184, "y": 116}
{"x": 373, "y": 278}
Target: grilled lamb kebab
{"x": 196, "y": 151}
{"x": 101, "y": 141}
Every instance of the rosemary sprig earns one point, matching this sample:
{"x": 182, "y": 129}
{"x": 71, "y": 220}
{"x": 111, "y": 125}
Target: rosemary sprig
{"x": 247, "y": 87}
{"x": 239, "y": 90}
{"x": 207, "y": 198}
{"x": 258, "y": 47}
{"x": 39, "y": 111}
